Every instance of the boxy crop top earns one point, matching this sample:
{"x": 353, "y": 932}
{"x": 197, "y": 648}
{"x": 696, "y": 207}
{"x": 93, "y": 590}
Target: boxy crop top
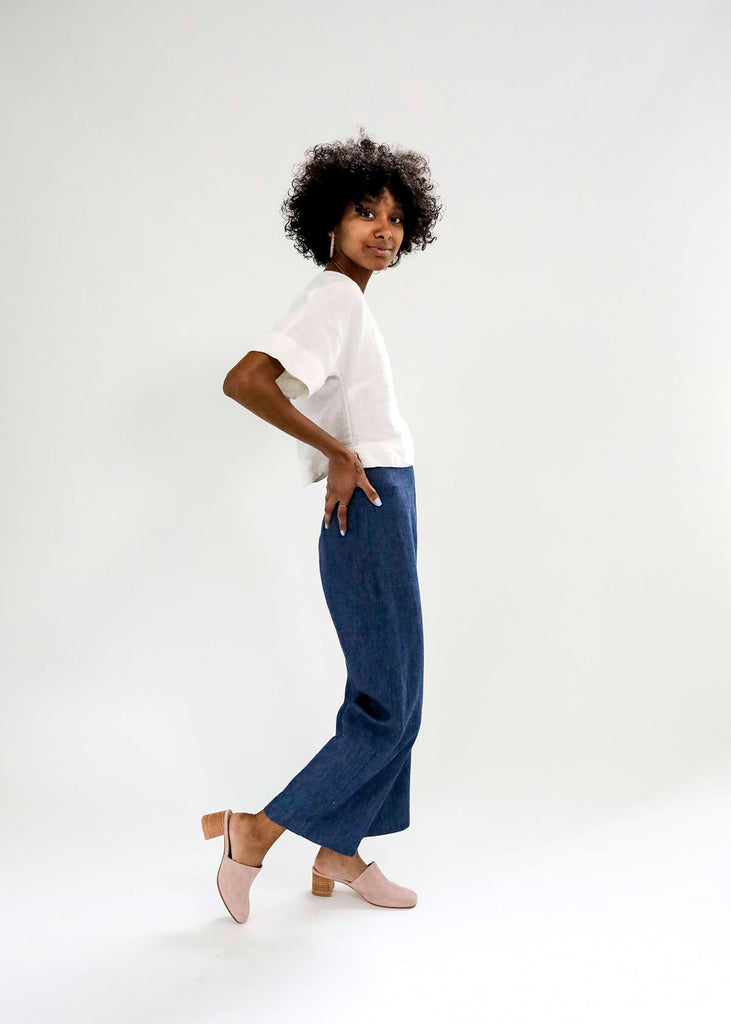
{"x": 337, "y": 373}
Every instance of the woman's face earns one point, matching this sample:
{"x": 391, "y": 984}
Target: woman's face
{"x": 371, "y": 231}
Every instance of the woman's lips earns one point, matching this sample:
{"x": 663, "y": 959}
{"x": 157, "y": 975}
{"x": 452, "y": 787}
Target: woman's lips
{"x": 379, "y": 251}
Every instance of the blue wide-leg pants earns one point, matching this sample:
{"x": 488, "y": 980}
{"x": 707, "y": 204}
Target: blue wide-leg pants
{"x": 358, "y": 783}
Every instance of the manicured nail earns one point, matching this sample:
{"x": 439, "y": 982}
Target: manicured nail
{"x": 378, "y": 502}
{"x": 342, "y": 533}
{"x": 326, "y": 526}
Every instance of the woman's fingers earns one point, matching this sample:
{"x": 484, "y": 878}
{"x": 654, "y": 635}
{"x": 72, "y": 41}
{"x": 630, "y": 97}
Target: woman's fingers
{"x": 330, "y": 503}
{"x": 370, "y": 490}
{"x": 343, "y": 515}
{"x": 331, "y": 500}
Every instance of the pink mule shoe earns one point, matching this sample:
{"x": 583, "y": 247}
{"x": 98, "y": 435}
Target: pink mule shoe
{"x": 233, "y": 879}
{"x": 371, "y": 884}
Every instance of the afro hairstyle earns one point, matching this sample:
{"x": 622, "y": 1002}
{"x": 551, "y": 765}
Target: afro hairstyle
{"x": 337, "y": 173}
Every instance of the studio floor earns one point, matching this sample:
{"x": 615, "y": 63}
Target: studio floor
{"x": 538, "y": 914}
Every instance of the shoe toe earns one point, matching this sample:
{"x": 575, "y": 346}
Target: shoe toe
{"x": 403, "y": 897}
{"x": 379, "y": 889}
{"x": 234, "y": 881}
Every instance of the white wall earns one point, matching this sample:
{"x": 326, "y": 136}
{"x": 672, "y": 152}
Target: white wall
{"x": 560, "y": 353}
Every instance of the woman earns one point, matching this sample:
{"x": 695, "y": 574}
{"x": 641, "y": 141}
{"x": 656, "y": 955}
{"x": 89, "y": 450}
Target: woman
{"x": 355, "y": 208}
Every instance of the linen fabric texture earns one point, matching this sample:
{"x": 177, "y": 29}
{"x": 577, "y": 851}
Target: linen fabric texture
{"x": 358, "y": 783}
{"x": 337, "y": 372}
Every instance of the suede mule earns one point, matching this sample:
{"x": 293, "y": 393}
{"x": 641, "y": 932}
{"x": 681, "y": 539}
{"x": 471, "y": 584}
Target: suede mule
{"x": 233, "y": 879}
{"x": 371, "y": 884}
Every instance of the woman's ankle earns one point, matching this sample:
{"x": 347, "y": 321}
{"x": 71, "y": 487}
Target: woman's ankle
{"x": 264, "y": 829}
{"x": 326, "y": 854}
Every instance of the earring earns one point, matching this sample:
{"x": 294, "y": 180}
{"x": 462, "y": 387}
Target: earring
{"x": 332, "y": 243}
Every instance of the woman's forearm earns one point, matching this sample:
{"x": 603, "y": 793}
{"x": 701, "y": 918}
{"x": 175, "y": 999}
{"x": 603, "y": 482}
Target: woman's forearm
{"x": 264, "y": 398}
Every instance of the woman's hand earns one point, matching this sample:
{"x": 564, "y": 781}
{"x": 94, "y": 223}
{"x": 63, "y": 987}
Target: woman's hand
{"x": 344, "y": 475}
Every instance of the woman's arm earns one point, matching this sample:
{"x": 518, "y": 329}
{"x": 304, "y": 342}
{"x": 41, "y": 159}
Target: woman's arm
{"x": 251, "y": 383}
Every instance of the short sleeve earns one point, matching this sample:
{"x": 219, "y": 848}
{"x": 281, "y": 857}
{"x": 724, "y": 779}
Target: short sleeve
{"x": 308, "y": 339}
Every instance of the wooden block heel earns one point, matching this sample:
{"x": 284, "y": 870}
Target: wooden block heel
{"x": 212, "y": 824}
{"x": 321, "y": 886}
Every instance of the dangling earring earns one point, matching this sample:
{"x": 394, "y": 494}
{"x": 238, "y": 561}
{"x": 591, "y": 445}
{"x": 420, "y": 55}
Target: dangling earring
{"x": 332, "y": 243}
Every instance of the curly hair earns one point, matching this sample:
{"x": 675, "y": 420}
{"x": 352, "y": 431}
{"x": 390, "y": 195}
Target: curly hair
{"x": 335, "y": 174}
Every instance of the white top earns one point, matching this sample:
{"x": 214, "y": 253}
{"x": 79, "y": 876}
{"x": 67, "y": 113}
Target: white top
{"x": 338, "y": 374}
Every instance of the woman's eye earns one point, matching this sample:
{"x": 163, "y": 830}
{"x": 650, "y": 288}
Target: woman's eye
{"x": 395, "y": 214}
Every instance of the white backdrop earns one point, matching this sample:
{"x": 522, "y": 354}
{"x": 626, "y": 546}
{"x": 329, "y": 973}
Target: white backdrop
{"x": 561, "y": 354}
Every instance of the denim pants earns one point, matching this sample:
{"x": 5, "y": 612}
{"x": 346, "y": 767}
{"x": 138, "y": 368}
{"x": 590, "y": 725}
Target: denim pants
{"x": 358, "y": 783}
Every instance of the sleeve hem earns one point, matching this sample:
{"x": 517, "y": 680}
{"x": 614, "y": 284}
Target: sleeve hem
{"x": 297, "y": 361}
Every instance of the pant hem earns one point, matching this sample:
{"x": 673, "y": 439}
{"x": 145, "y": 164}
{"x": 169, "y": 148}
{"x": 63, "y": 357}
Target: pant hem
{"x": 388, "y": 831}
{"x": 321, "y": 840}
{"x": 301, "y": 830}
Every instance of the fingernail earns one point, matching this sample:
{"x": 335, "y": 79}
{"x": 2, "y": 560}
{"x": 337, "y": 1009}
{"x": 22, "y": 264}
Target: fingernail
{"x": 342, "y": 533}
{"x": 326, "y": 526}
{"x": 378, "y": 502}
